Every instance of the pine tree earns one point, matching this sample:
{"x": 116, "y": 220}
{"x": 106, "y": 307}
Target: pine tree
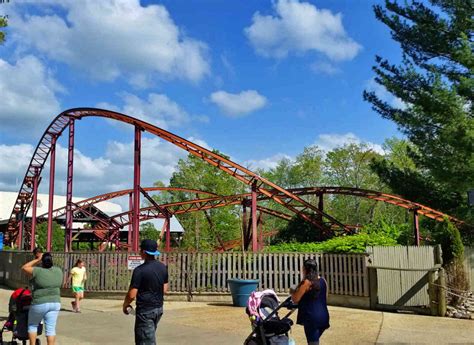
{"x": 435, "y": 83}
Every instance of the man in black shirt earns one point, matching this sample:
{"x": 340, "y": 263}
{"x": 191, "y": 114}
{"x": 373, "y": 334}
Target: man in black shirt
{"x": 149, "y": 284}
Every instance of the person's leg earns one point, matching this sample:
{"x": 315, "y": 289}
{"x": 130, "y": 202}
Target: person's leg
{"x": 312, "y": 334}
{"x": 78, "y": 301}
{"x": 74, "y": 294}
{"x": 35, "y": 315}
{"x": 145, "y": 326}
{"x": 50, "y": 319}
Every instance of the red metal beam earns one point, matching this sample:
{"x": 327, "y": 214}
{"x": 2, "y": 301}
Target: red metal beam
{"x": 70, "y": 176}
{"x": 254, "y": 218}
{"x": 136, "y": 188}
{"x": 36, "y": 180}
{"x": 52, "y": 165}
{"x": 130, "y": 226}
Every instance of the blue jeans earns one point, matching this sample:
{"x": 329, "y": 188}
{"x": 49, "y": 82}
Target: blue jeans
{"x": 47, "y": 311}
{"x": 145, "y": 326}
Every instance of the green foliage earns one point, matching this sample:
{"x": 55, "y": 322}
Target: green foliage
{"x": 299, "y": 230}
{"x": 446, "y": 234}
{"x": 342, "y": 244}
{"x": 211, "y": 228}
{"x": 3, "y": 24}
{"x": 148, "y": 231}
{"x": 436, "y": 87}
{"x": 57, "y": 242}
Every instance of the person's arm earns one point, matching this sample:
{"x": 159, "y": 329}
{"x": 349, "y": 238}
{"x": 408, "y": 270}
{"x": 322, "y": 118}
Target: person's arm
{"x": 129, "y": 298}
{"x": 28, "y": 267}
{"x": 327, "y": 288}
{"x": 132, "y": 290}
{"x": 302, "y": 288}
{"x": 165, "y": 288}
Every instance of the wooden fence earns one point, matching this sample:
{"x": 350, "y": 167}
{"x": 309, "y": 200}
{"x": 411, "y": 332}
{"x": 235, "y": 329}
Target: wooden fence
{"x": 469, "y": 264}
{"x": 207, "y": 272}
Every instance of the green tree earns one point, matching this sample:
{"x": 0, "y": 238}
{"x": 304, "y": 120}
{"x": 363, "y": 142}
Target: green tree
{"x": 211, "y": 228}
{"x": 435, "y": 84}
{"x": 3, "y": 24}
{"x": 350, "y": 166}
{"x": 57, "y": 242}
{"x": 148, "y": 231}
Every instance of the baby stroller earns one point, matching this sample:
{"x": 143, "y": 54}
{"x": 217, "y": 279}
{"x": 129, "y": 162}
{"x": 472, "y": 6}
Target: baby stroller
{"x": 17, "y": 322}
{"x": 267, "y": 327}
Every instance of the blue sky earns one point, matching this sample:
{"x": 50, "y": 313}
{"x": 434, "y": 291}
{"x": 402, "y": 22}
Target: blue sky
{"x": 258, "y": 80}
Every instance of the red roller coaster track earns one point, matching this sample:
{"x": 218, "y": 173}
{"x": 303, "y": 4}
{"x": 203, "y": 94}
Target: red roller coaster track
{"x": 46, "y": 146}
{"x": 261, "y": 188}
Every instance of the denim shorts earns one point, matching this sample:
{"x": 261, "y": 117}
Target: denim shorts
{"x": 47, "y": 312}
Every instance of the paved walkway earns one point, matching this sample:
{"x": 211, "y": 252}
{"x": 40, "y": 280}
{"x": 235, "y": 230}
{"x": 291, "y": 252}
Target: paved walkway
{"x": 102, "y": 322}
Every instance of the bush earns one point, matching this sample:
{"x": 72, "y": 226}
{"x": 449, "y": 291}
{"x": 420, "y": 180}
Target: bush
{"x": 448, "y": 236}
{"x": 342, "y": 244}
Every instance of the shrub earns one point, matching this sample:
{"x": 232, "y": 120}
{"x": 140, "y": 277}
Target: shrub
{"x": 342, "y": 244}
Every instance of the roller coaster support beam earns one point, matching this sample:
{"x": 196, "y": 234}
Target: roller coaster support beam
{"x": 21, "y": 229}
{"x": 416, "y": 227}
{"x": 321, "y": 205}
{"x": 70, "y": 176}
{"x": 254, "y": 218}
{"x": 168, "y": 233}
{"x": 52, "y": 165}
{"x": 130, "y": 226}
{"x": 36, "y": 180}
{"x": 166, "y": 213}
{"x": 136, "y": 188}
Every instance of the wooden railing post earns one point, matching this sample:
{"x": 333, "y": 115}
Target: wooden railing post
{"x": 432, "y": 293}
{"x": 441, "y": 292}
{"x": 373, "y": 287}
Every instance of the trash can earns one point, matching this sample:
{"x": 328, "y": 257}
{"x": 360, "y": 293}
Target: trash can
{"x": 240, "y": 289}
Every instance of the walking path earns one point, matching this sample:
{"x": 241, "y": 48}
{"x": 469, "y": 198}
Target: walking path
{"x": 102, "y": 322}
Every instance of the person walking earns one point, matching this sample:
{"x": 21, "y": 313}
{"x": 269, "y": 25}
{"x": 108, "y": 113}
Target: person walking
{"x": 78, "y": 276}
{"x": 311, "y": 297}
{"x": 46, "y": 282}
{"x": 148, "y": 285}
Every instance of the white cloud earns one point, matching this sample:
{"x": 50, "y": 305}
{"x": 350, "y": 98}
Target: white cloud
{"x": 28, "y": 96}
{"x": 157, "y": 109}
{"x": 382, "y": 93}
{"x": 92, "y": 176}
{"x": 237, "y": 104}
{"x": 328, "y": 142}
{"x": 266, "y": 163}
{"x": 324, "y": 68}
{"x": 299, "y": 27}
{"x": 113, "y": 38}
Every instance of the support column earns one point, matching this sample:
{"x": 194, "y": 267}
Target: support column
{"x": 136, "y": 188}
{"x": 416, "y": 227}
{"x": 70, "y": 175}
{"x": 21, "y": 228}
{"x": 168, "y": 234}
{"x": 33, "y": 211}
{"x": 130, "y": 224}
{"x": 244, "y": 226}
{"x": 52, "y": 164}
{"x": 254, "y": 218}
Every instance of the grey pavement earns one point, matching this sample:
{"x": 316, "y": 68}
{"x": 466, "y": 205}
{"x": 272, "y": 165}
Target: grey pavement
{"x": 102, "y": 322}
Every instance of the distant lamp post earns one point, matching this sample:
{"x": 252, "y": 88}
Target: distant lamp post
{"x": 470, "y": 197}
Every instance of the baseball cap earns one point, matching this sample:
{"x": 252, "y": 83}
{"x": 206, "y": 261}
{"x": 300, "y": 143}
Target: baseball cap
{"x": 150, "y": 247}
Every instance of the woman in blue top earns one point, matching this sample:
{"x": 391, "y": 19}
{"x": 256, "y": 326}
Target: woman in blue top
{"x": 311, "y": 297}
